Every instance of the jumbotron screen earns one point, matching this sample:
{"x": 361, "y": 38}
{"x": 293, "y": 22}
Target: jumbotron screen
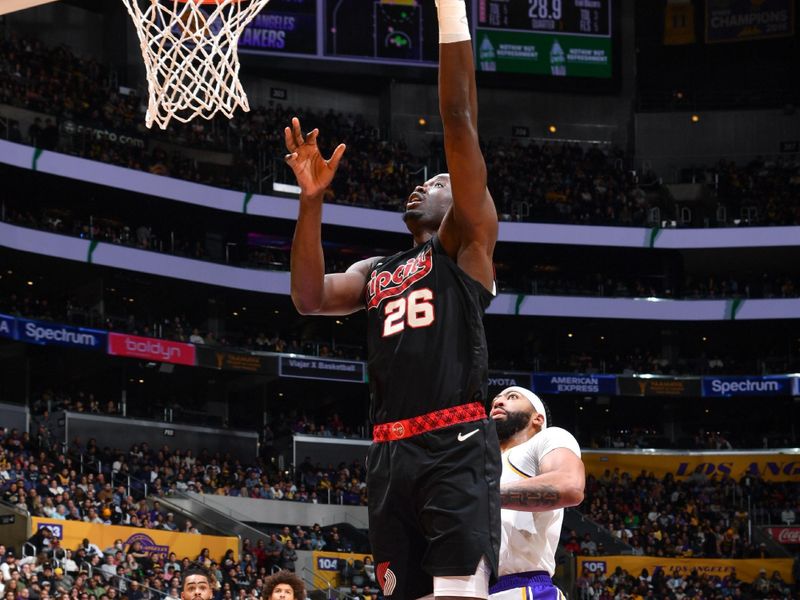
{"x": 562, "y": 38}
{"x": 571, "y": 38}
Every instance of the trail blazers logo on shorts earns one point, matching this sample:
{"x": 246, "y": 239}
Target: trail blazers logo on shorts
{"x": 386, "y": 578}
{"x": 388, "y": 284}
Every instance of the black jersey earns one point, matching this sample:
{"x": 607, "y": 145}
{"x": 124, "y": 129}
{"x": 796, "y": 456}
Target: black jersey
{"x": 427, "y": 345}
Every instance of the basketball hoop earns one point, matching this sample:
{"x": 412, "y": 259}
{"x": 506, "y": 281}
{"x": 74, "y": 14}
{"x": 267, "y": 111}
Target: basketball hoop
{"x": 190, "y": 51}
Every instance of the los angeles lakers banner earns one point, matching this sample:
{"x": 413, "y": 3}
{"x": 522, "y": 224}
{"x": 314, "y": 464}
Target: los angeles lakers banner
{"x": 155, "y": 541}
{"x": 774, "y": 465}
{"x": 746, "y": 569}
{"x": 328, "y": 566}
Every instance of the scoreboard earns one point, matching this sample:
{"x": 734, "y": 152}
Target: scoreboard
{"x": 559, "y": 38}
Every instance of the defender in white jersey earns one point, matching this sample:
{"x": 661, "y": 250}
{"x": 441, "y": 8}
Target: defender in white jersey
{"x": 542, "y": 475}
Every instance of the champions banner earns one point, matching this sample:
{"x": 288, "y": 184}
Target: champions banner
{"x": 744, "y": 20}
{"x": 328, "y": 565}
{"x": 771, "y": 466}
{"x": 70, "y": 534}
{"x": 746, "y": 569}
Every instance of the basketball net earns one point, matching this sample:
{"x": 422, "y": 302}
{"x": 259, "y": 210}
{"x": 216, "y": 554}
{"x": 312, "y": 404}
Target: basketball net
{"x": 190, "y": 50}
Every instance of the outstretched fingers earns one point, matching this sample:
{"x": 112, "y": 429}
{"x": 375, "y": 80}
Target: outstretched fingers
{"x": 297, "y": 133}
{"x": 294, "y": 138}
{"x": 311, "y": 137}
{"x": 289, "y": 139}
{"x": 336, "y": 157}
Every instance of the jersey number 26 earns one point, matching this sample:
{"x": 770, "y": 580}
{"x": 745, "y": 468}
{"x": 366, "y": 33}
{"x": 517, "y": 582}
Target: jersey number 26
{"x": 414, "y": 310}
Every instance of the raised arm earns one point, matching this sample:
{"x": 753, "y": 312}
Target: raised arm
{"x": 559, "y": 484}
{"x": 314, "y": 292}
{"x": 469, "y": 231}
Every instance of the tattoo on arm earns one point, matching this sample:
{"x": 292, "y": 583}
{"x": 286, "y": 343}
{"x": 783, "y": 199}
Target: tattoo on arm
{"x": 540, "y": 497}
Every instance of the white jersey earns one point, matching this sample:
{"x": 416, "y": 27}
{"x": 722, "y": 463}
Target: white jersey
{"x": 529, "y": 539}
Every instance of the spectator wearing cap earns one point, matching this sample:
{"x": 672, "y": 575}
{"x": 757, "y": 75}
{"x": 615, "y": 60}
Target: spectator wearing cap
{"x": 9, "y": 566}
{"x": 45, "y": 589}
{"x": 46, "y": 574}
{"x": 169, "y": 523}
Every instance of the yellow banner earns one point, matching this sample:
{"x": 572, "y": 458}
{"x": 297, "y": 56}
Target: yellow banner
{"x": 777, "y": 466}
{"x": 679, "y": 23}
{"x": 156, "y": 541}
{"x": 746, "y": 569}
{"x": 328, "y": 565}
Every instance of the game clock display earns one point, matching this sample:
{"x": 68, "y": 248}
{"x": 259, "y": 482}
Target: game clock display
{"x": 554, "y": 38}
{"x": 545, "y": 37}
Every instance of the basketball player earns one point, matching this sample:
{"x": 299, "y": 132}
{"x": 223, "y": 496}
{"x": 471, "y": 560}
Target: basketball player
{"x": 542, "y": 474}
{"x": 434, "y": 466}
{"x": 198, "y": 583}
{"x": 284, "y": 585}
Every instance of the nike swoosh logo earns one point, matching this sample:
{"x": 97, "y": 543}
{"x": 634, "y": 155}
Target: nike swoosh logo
{"x": 463, "y": 436}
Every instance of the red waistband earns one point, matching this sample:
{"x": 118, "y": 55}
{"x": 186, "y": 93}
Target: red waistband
{"x": 398, "y": 430}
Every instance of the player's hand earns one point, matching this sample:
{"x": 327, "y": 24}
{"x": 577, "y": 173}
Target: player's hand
{"x": 313, "y": 172}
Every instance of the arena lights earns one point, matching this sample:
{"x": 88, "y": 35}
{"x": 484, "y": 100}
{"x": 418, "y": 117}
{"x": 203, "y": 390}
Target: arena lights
{"x": 552, "y": 128}
{"x": 695, "y": 118}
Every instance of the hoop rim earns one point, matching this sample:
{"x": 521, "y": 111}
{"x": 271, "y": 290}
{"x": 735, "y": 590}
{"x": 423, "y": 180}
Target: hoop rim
{"x": 207, "y": 1}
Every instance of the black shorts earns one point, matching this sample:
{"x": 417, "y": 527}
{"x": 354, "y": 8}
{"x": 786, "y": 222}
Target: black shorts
{"x": 434, "y": 506}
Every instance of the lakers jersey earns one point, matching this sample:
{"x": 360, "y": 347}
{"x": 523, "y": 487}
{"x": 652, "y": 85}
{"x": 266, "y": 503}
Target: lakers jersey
{"x": 529, "y": 540}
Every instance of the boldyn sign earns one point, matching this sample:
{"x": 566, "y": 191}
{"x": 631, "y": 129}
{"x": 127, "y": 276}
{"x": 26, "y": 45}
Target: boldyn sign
{"x": 120, "y": 344}
{"x": 562, "y": 383}
{"x": 46, "y": 334}
{"x": 747, "y": 386}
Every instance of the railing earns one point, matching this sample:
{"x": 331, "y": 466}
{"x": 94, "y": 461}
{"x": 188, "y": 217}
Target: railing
{"x": 88, "y": 464}
{"x": 150, "y": 593}
{"x": 315, "y": 578}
